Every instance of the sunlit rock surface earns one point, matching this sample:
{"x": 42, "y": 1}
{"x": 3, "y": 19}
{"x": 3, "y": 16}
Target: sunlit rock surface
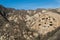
{"x": 39, "y": 24}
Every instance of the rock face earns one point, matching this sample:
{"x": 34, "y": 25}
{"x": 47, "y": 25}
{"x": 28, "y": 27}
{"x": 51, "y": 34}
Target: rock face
{"x": 39, "y": 24}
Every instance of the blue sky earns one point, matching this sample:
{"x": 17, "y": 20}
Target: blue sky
{"x": 30, "y": 4}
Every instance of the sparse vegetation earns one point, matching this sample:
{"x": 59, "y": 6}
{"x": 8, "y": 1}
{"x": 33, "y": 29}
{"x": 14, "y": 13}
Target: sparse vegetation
{"x": 28, "y": 24}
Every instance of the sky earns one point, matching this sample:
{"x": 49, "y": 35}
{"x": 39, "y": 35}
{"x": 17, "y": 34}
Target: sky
{"x": 30, "y": 4}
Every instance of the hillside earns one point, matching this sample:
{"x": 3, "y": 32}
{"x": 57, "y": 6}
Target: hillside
{"x": 39, "y": 24}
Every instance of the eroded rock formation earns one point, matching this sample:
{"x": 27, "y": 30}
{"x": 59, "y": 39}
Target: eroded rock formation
{"x": 39, "y": 24}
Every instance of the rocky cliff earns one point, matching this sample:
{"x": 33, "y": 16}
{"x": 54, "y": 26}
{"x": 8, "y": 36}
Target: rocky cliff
{"x": 39, "y": 24}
